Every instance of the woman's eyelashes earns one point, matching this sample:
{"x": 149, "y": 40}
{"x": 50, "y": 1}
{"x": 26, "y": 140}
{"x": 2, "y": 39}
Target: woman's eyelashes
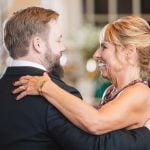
{"x": 103, "y": 47}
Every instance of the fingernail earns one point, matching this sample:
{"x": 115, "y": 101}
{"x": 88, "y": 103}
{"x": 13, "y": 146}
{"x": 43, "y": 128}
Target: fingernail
{"x": 13, "y": 83}
{"x": 17, "y": 99}
{"x": 45, "y": 73}
{"x": 12, "y": 92}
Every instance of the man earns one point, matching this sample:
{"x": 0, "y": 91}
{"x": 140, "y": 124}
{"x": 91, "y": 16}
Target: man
{"x": 34, "y": 40}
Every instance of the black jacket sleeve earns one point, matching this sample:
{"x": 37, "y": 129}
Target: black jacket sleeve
{"x": 69, "y": 137}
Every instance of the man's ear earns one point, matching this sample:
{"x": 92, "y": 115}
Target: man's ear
{"x": 37, "y": 44}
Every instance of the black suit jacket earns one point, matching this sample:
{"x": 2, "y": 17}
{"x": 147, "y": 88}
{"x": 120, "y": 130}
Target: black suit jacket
{"x": 34, "y": 124}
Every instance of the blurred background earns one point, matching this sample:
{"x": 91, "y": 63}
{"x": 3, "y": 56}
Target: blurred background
{"x": 81, "y": 22}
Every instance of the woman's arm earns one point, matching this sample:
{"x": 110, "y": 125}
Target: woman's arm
{"x": 119, "y": 113}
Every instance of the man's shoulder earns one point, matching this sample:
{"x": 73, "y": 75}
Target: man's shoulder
{"x": 23, "y": 70}
{"x": 65, "y": 86}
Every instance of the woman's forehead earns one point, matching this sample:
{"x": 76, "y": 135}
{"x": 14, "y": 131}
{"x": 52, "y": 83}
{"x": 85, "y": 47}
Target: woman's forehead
{"x": 101, "y": 35}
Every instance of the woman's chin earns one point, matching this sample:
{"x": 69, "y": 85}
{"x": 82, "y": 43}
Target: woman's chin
{"x": 104, "y": 75}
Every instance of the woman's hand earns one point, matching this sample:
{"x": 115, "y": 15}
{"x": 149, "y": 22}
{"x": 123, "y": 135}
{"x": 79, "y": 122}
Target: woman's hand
{"x": 30, "y": 85}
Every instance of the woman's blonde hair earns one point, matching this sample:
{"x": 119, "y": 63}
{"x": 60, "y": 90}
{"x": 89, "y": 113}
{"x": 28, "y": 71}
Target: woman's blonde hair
{"x": 131, "y": 30}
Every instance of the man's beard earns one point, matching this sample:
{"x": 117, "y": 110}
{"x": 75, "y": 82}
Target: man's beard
{"x": 57, "y": 70}
{"x": 51, "y": 60}
{"x": 53, "y": 65}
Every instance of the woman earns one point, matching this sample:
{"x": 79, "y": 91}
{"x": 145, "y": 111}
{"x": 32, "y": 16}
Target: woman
{"x": 124, "y": 59}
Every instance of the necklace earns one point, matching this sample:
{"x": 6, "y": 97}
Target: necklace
{"x": 112, "y": 92}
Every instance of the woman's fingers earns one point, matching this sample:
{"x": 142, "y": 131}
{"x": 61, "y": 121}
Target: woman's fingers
{"x": 21, "y": 95}
{"x": 29, "y": 85}
{"x": 20, "y": 82}
{"x": 27, "y": 77}
{"x": 19, "y": 89}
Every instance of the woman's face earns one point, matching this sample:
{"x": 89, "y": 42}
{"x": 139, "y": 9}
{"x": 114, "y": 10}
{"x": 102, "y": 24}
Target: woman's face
{"x": 108, "y": 60}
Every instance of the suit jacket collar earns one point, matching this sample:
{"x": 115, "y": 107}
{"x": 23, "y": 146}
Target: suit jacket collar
{"x": 27, "y": 70}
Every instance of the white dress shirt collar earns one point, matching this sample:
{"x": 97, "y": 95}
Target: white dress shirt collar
{"x": 19, "y": 63}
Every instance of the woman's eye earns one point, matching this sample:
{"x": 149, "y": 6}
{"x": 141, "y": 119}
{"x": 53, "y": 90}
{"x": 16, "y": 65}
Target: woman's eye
{"x": 104, "y": 47}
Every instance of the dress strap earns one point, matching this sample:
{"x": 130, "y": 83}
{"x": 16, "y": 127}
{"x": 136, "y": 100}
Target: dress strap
{"x": 112, "y": 92}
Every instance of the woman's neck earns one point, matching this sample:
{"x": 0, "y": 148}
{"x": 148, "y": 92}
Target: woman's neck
{"x": 126, "y": 76}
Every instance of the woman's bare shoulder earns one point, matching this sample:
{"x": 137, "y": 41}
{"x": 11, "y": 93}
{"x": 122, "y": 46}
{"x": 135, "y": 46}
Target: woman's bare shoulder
{"x": 139, "y": 91}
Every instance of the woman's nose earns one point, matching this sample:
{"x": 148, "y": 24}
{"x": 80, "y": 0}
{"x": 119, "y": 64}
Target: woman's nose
{"x": 63, "y": 47}
{"x": 97, "y": 54}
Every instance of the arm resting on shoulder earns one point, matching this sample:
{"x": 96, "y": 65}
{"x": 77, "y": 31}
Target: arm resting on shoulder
{"x": 119, "y": 113}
